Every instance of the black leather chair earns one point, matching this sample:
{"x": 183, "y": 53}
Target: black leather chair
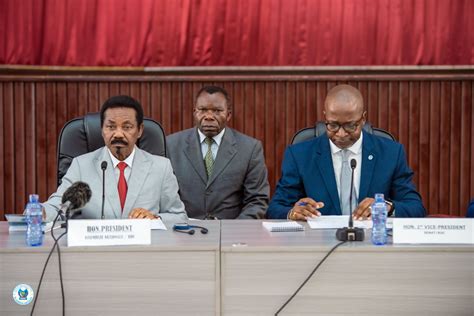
{"x": 320, "y": 128}
{"x": 84, "y": 134}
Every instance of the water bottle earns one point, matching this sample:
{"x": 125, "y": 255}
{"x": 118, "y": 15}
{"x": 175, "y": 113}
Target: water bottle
{"x": 34, "y": 220}
{"x": 379, "y": 220}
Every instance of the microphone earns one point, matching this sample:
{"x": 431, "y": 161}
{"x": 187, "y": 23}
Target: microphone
{"x": 75, "y": 197}
{"x": 350, "y": 233}
{"x": 103, "y": 166}
{"x": 353, "y": 166}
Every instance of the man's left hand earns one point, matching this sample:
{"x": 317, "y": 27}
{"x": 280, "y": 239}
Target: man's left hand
{"x": 140, "y": 213}
{"x": 364, "y": 210}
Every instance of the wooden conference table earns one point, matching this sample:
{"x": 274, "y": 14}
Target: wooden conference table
{"x": 241, "y": 269}
{"x": 176, "y": 275}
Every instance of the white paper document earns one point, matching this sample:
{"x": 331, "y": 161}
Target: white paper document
{"x": 337, "y": 221}
{"x": 158, "y": 224}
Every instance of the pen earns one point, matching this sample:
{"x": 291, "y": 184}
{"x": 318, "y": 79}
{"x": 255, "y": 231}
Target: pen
{"x": 51, "y": 228}
{"x": 302, "y": 203}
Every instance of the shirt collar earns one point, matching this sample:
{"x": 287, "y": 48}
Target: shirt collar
{"x": 128, "y": 160}
{"x": 355, "y": 148}
{"x": 217, "y": 138}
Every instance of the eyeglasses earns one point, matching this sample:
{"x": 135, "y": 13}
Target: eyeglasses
{"x": 349, "y": 127}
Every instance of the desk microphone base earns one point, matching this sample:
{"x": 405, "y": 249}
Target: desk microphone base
{"x": 350, "y": 234}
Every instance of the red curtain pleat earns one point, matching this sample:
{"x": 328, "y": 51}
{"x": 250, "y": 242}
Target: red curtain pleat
{"x": 236, "y": 32}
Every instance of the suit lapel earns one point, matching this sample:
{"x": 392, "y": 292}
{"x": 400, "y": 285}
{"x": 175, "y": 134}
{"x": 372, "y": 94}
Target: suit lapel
{"x": 368, "y": 164}
{"x": 225, "y": 154}
{"x": 193, "y": 153}
{"x": 140, "y": 170}
{"x": 111, "y": 192}
{"x": 325, "y": 165}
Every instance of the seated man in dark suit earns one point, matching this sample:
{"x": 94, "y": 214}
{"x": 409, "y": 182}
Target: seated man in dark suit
{"x": 470, "y": 209}
{"x": 316, "y": 175}
{"x": 221, "y": 172}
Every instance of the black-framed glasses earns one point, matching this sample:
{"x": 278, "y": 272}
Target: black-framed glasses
{"x": 349, "y": 127}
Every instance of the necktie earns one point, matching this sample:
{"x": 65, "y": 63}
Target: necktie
{"x": 208, "y": 159}
{"x": 122, "y": 183}
{"x": 345, "y": 184}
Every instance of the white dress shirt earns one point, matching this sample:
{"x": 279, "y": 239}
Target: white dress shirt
{"x": 128, "y": 161}
{"x": 215, "y": 144}
{"x": 355, "y": 153}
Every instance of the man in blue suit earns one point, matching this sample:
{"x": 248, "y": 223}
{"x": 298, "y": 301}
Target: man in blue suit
{"x": 470, "y": 209}
{"x": 313, "y": 171}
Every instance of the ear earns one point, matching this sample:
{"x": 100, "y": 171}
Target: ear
{"x": 140, "y": 130}
{"x": 229, "y": 116}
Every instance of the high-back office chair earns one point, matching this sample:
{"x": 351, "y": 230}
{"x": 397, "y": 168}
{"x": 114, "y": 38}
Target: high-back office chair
{"x": 84, "y": 134}
{"x": 320, "y": 128}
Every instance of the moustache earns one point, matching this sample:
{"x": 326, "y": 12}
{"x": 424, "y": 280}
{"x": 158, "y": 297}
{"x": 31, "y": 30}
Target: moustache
{"x": 118, "y": 141}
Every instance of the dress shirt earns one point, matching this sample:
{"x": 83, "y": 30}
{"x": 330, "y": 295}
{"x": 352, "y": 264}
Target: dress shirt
{"x": 355, "y": 153}
{"x": 215, "y": 145}
{"x": 128, "y": 161}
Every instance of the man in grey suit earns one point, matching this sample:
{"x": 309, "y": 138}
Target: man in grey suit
{"x": 221, "y": 172}
{"x": 138, "y": 184}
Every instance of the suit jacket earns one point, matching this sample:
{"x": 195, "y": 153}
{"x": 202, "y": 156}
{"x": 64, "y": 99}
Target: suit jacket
{"x": 307, "y": 171}
{"x": 151, "y": 185}
{"x": 238, "y": 186}
{"x": 470, "y": 209}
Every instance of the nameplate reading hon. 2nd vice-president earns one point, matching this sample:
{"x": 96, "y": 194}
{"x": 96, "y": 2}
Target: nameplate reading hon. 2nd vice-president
{"x": 433, "y": 231}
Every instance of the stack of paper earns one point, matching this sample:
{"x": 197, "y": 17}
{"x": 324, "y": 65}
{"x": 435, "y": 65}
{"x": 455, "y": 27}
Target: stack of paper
{"x": 283, "y": 226}
{"x": 17, "y": 223}
{"x": 339, "y": 221}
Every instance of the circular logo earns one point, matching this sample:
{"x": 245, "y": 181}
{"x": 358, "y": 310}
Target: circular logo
{"x": 23, "y": 294}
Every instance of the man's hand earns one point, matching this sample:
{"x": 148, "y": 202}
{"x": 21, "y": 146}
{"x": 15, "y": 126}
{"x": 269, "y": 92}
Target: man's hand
{"x": 305, "y": 208}
{"x": 139, "y": 213}
{"x": 364, "y": 210}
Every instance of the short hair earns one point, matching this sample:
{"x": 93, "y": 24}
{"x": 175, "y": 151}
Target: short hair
{"x": 122, "y": 101}
{"x": 212, "y": 90}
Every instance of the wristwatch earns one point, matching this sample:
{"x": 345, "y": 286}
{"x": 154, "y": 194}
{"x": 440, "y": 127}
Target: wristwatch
{"x": 392, "y": 207}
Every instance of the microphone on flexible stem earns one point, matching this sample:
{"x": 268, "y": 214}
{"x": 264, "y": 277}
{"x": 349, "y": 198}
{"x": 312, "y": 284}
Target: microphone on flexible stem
{"x": 350, "y": 233}
{"x": 75, "y": 198}
{"x": 103, "y": 166}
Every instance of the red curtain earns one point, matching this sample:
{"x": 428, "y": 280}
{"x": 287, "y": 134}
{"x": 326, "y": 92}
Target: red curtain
{"x": 236, "y": 32}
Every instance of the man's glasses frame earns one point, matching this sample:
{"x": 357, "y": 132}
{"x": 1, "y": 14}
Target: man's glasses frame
{"x": 349, "y": 127}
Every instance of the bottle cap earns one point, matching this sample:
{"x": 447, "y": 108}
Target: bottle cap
{"x": 379, "y": 197}
{"x": 34, "y": 198}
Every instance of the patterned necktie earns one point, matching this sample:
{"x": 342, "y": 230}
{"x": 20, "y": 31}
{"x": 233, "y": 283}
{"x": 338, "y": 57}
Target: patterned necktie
{"x": 122, "y": 183}
{"x": 208, "y": 159}
{"x": 345, "y": 184}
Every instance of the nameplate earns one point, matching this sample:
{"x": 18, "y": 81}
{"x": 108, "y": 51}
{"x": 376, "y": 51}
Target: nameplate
{"x": 108, "y": 232}
{"x": 433, "y": 231}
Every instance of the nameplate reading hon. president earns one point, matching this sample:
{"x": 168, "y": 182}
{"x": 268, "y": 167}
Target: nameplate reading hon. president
{"x": 109, "y": 232}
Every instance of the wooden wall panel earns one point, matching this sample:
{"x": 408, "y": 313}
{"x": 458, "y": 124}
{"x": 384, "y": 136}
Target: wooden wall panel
{"x": 429, "y": 112}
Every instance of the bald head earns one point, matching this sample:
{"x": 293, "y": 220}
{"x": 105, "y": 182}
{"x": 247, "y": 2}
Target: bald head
{"x": 344, "y": 106}
{"x": 344, "y": 98}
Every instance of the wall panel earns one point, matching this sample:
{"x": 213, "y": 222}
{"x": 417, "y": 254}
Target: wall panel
{"x": 429, "y": 110}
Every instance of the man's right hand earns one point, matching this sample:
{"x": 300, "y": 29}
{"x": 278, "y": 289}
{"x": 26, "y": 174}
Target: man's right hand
{"x": 305, "y": 208}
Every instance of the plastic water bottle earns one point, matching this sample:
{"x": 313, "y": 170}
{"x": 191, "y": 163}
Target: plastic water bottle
{"x": 379, "y": 220}
{"x": 34, "y": 220}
